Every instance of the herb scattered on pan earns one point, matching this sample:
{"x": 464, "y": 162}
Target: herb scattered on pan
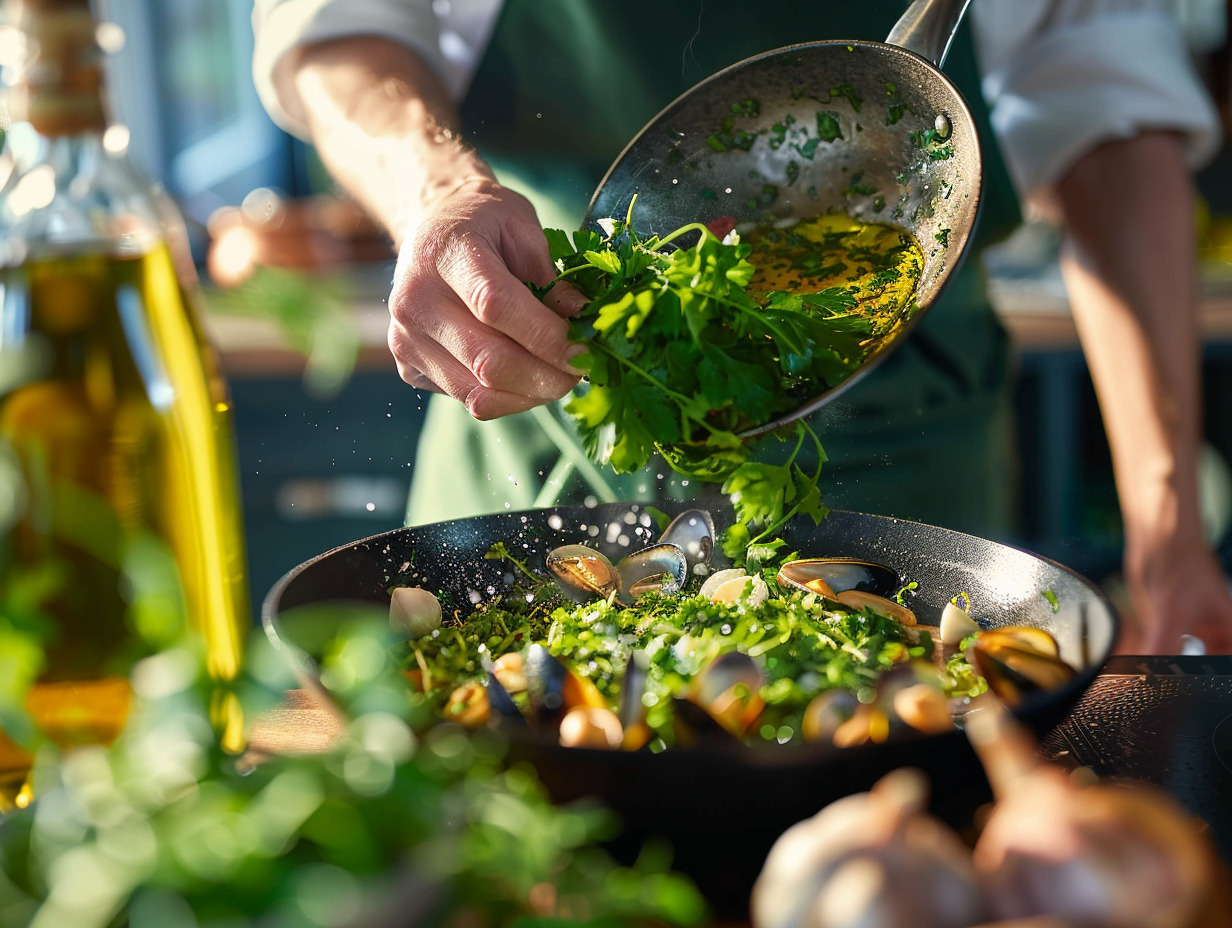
{"x": 805, "y": 644}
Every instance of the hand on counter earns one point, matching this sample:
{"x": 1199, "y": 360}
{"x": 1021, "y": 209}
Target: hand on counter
{"x": 1187, "y": 597}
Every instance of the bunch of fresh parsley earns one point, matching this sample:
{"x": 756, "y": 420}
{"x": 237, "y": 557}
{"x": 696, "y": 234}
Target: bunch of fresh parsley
{"x": 682, "y": 359}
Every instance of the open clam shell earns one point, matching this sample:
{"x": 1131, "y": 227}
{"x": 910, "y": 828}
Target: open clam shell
{"x": 584, "y": 573}
{"x": 662, "y": 567}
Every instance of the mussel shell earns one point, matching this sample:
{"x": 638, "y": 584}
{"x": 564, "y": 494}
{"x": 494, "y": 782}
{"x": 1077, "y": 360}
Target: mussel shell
{"x": 695, "y": 727}
{"x": 553, "y": 689}
{"x": 661, "y": 567}
{"x": 1015, "y": 674}
{"x": 841, "y": 574}
{"x": 693, "y": 532}
{"x": 1023, "y": 637}
{"x": 912, "y": 695}
{"x": 503, "y": 709}
{"x": 583, "y": 572}
{"x": 545, "y": 684}
{"x": 633, "y": 687}
{"x": 735, "y": 668}
{"x": 826, "y": 713}
{"x": 861, "y": 599}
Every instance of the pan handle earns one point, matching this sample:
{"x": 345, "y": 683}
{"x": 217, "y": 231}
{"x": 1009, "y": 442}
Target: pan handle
{"x": 928, "y": 27}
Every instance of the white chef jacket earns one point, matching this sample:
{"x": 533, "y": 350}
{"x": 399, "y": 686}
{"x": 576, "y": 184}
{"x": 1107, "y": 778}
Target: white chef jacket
{"x": 1060, "y": 75}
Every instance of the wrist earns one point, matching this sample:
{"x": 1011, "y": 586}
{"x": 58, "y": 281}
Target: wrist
{"x": 468, "y": 175}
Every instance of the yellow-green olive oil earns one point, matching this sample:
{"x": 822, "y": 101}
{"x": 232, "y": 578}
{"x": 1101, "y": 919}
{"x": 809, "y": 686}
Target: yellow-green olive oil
{"x": 119, "y": 425}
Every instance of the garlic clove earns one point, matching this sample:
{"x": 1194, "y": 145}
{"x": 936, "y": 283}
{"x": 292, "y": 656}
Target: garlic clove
{"x": 413, "y": 612}
{"x": 718, "y": 578}
{"x": 748, "y": 591}
{"x": 956, "y": 624}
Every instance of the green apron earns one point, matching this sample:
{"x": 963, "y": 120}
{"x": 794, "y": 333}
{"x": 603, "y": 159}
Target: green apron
{"x": 563, "y": 86}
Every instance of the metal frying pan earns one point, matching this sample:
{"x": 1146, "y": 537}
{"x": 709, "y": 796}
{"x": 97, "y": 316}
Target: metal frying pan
{"x": 870, "y": 129}
{"x": 722, "y": 809}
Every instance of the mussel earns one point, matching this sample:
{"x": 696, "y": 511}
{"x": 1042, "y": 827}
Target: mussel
{"x": 583, "y": 572}
{"x": 588, "y": 727}
{"x": 729, "y": 689}
{"x": 830, "y": 576}
{"x": 683, "y": 550}
{"x": 859, "y": 599}
{"x": 826, "y": 713}
{"x": 1018, "y": 661}
{"x": 553, "y": 689}
{"x": 909, "y": 696}
{"x": 636, "y": 733}
{"x": 661, "y": 567}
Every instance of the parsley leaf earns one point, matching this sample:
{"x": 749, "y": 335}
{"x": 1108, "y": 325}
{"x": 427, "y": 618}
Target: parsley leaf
{"x": 682, "y": 358}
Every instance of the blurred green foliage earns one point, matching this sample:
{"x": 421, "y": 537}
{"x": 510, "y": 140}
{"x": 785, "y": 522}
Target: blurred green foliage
{"x": 310, "y": 311}
{"x": 164, "y": 830}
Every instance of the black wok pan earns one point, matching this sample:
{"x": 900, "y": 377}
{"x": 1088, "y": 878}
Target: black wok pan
{"x": 722, "y": 809}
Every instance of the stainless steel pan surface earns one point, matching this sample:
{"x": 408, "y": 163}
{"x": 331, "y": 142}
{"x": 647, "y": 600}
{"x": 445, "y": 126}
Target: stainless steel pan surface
{"x": 871, "y": 129}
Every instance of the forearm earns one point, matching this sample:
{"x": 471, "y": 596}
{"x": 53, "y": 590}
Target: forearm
{"x": 1130, "y": 271}
{"x": 384, "y": 127}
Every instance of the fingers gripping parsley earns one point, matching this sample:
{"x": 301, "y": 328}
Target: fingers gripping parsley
{"x": 681, "y": 359}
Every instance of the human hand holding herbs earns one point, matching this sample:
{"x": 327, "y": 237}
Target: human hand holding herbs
{"x": 683, "y": 359}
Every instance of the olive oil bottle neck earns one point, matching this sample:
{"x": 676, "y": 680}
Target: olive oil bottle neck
{"x": 60, "y": 88}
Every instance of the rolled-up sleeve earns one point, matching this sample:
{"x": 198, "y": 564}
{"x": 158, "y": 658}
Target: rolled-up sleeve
{"x": 1061, "y": 84}
{"x": 279, "y": 26}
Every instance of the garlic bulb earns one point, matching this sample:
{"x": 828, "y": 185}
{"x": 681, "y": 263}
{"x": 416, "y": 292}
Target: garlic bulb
{"x": 873, "y": 860}
{"x": 1095, "y": 855}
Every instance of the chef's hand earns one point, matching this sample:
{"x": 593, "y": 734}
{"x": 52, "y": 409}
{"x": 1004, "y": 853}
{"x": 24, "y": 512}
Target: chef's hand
{"x": 1187, "y": 595}
{"x": 463, "y": 321}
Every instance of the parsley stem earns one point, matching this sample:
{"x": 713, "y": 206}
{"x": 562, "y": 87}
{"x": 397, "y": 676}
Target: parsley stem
{"x": 683, "y": 230}
{"x": 679, "y": 398}
{"x": 803, "y": 430}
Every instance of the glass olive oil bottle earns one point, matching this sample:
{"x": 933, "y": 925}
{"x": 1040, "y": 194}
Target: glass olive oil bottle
{"x": 113, "y": 412}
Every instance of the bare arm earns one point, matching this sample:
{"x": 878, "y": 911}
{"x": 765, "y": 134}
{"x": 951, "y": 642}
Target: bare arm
{"x": 462, "y": 320}
{"x": 1130, "y": 270}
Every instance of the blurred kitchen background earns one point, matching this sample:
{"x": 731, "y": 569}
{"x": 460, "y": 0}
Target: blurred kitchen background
{"x": 327, "y": 444}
